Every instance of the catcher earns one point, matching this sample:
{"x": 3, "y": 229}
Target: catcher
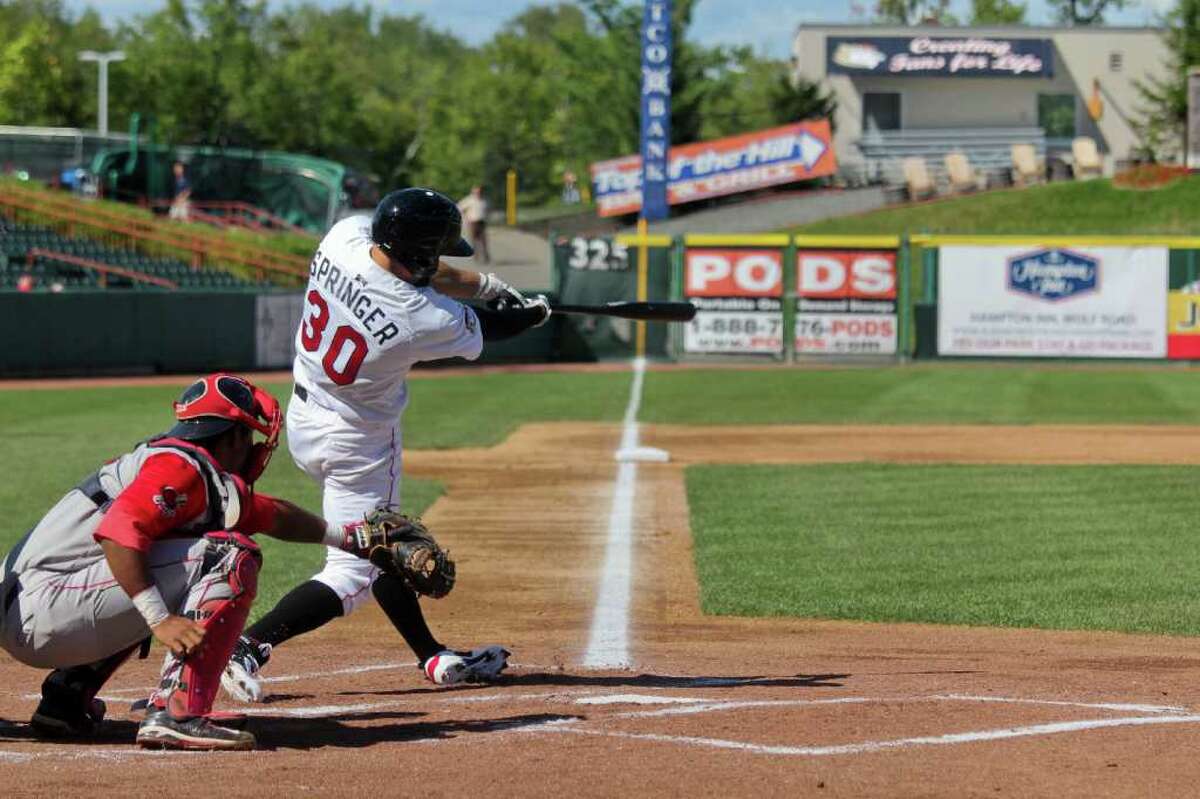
{"x": 155, "y": 543}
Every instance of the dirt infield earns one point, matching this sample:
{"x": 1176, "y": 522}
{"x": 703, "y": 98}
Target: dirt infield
{"x": 709, "y": 706}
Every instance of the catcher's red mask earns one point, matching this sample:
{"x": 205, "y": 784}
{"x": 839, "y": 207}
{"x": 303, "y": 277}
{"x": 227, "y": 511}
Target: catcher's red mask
{"x": 215, "y": 403}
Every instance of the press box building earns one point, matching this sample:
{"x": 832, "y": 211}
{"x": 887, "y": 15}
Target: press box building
{"x": 929, "y": 90}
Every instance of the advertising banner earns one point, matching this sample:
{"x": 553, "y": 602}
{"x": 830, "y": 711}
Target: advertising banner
{"x": 1086, "y": 302}
{"x": 739, "y": 294}
{"x": 786, "y": 154}
{"x": 940, "y": 56}
{"x": 1183, "y": 324}
{"x": 846, "y": 302}
{"x": 656, "y": 106}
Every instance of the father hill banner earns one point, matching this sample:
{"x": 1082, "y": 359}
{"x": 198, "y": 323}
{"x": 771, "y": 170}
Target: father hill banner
{"x": 786, "y": 154}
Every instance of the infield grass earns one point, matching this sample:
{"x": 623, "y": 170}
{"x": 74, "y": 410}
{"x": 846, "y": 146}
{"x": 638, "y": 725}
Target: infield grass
{"x": 1061, "y": 547}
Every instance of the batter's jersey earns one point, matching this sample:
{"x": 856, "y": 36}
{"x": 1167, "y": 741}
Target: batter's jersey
{"x": 163, "y": 488}
{"x": 364, "y": 328}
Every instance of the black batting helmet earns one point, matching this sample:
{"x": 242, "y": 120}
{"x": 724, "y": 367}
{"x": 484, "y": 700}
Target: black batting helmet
{"x": 416, "y": 227}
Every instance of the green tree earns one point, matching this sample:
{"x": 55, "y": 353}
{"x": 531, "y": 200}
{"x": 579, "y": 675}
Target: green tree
{"x": 32, "y": 78}
{"x": 1084, "y": 12}
{"x": 753, "y": 93}
{"x": 1165, "y": 102}
{"x": 914, "y": 12}
{"x": 997, "y": 12}
{"x": 192, "y": 66}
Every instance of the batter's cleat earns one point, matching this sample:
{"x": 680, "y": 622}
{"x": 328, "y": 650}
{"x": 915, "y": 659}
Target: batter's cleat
{"x": 240, "y": 678}
{"x": 451, "y": 666}
{"x": 57, "y": 719}
{"x": 160, "y": 730}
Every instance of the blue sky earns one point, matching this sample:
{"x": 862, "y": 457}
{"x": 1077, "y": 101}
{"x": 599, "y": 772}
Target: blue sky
{"x": 766, "y": 24}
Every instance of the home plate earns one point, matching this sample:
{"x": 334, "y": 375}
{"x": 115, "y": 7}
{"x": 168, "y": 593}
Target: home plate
{"x": 643, "y": 454}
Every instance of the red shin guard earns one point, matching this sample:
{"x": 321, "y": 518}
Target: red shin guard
{"x": 194, "y": 686}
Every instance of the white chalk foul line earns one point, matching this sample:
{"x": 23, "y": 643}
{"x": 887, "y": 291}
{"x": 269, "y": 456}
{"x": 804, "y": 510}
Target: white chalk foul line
{"x": 608, "y": 644}
{"x": 1115, "y": 706}
{"x": 880, "y": 746}
{"x": 711, "y": 706}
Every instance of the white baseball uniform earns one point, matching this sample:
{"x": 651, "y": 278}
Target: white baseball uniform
{"x": 363, "y": 330}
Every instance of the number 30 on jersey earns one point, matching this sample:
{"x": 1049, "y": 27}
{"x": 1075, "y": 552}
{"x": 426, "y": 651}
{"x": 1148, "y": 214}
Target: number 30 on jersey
{"x": 346, "y": 349}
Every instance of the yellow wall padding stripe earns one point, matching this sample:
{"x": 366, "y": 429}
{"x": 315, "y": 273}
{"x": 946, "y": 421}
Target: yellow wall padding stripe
{"x": 736, "y": 240}
{"x": 849, "y": 242}
{"x": 1179, "y": 242}
{"x": 633, "y": 240}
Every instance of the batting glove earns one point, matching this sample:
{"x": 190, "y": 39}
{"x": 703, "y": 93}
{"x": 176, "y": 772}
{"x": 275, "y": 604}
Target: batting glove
{"x": 491, "y": 288}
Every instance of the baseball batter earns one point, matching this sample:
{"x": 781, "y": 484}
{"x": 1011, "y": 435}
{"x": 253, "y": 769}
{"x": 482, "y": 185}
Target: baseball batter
{"x": 156, "y": 543}
{"x": 378, "y": 301}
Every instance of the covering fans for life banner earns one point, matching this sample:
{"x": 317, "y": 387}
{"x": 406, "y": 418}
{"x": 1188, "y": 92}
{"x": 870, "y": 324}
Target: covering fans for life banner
{"x": 1073, "y": 302}
{"x": 846, "y": 302}
{"x": 739, "y": 297}
{"x": 786, "y": 154}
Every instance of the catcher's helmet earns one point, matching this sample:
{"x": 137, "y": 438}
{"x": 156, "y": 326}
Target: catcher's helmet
{"x": 416, "y": 227}
{"x": 214, "y": 404}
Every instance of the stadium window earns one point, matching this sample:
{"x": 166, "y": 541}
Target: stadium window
{"x": 1056, "y": 115}
{"x": 881, "y": 111}
{"x": 1116, "y": 61}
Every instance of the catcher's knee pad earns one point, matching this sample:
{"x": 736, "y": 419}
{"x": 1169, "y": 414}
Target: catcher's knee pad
{"x": 223, "y": 604}
{"x": 348, "y": 576}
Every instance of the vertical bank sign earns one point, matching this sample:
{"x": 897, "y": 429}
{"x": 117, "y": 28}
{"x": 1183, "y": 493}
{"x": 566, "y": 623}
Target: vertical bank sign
{"x": 656, "y": 107}
{"x": 739, "y": 299}
{"x": 734, "y": 164}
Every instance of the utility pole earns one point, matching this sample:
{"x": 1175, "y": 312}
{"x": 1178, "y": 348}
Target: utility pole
{"x": 103, "y": 59}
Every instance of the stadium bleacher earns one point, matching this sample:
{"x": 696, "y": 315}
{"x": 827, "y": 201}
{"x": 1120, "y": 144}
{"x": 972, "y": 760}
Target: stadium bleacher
{"x": 17, "y": 239}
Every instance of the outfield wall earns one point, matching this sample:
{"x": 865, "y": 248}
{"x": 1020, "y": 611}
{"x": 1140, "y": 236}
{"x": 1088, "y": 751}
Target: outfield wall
{"x": 809, "y": 298}
{"x": 142, "y": 332}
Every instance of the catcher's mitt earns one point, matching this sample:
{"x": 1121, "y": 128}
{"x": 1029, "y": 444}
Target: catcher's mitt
{"x": 404, "y": 547}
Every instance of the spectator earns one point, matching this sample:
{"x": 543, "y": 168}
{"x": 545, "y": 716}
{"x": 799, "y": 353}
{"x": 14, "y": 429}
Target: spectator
{"x": 474, "y": 208}
{"x": 25, "y": 283}
{"x": 570, "y": 190}
{"x": 181, "y": 206}
{"x": 57, "y": 287}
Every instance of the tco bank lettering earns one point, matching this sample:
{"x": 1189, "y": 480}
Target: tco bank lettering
{"x": 734, "y": 273}
{"x": 846, "y": 274}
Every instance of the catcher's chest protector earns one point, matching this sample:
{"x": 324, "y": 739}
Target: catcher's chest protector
{"x": 62, "y": 541}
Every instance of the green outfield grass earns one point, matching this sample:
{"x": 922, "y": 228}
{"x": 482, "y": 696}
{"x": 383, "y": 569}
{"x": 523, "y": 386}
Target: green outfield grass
{"x": 1069, "y": 208}
{"x": 1079, "y": 547}
{"x": 934, "y": 394}
{"x": 53, "y": 438}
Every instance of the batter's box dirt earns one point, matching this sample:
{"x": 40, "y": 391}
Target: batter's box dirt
{"x": 850, "y": 725}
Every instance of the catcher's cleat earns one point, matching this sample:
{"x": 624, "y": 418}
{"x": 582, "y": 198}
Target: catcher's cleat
{"x": 240, "y": 678}
{"x": 161, "y": 730}
{"x": 57, "y": 719}
{"x": 225, "y": 718}
{"x": 450, "y": 666}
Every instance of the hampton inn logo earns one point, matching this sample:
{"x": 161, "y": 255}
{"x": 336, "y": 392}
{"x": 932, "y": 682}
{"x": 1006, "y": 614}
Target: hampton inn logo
{"x": 1053, "y": 274}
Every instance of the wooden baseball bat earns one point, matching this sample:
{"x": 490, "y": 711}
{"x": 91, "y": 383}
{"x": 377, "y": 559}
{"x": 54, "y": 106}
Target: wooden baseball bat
{"x": 643, "y": 311}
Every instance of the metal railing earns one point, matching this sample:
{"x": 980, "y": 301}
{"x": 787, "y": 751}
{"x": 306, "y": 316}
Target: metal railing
{"x": 103, "y": 269}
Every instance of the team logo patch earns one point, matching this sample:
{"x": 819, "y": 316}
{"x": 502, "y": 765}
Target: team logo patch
{"x": 169, "y": 501}
{"x": 1053, "y": 274}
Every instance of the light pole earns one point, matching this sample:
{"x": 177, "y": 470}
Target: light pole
{"x": 103, "y": 59}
